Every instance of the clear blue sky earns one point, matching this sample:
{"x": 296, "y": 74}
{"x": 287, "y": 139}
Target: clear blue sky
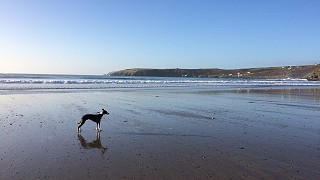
{"x": 96, "y": 37}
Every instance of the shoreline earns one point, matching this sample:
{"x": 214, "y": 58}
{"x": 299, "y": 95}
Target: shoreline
{"x": 164, "y": 133}
{"x": 60, "y": 82}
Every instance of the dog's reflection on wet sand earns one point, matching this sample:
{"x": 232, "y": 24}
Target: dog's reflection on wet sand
{"x": 94, "y": 144}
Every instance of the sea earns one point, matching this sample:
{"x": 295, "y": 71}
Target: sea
{"x": 51, "y": 81}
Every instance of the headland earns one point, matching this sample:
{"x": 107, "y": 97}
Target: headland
{"x": 310, "y": 72}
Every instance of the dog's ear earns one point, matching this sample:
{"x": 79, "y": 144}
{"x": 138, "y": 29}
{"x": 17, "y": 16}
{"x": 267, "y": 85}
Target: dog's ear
{"x": 102, "y": 109}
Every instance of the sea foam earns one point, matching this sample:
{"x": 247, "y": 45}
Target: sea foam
{"x": 26, "y": 81}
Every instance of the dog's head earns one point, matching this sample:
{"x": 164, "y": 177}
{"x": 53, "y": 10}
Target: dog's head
{"x": 104, "y": 112}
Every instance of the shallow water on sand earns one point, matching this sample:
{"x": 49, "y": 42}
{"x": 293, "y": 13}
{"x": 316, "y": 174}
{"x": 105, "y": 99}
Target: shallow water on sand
{"x": 161, "y": 134}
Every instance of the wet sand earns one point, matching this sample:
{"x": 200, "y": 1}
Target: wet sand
{"x": 161, "y": 134}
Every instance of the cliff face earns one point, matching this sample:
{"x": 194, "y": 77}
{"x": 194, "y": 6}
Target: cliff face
{"x": 310, "y": 72}
{"x": 314, "y": 75}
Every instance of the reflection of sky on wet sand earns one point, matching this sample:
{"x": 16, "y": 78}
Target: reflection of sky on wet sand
{"x": 288, "y": 94}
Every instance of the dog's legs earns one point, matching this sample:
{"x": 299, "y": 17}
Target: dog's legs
{"x": 81, "y": 123}
{"x": 97, "y": 128}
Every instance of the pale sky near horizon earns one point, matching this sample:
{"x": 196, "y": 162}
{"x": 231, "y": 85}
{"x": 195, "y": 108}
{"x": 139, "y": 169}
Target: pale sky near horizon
{"x": 96, "y": 37}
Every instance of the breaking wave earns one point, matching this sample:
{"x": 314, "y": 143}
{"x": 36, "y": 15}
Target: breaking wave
{"x": 26, "y": 81}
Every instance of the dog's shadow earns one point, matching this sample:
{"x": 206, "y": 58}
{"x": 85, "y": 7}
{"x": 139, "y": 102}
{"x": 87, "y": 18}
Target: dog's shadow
{"x": 96, "y": 144}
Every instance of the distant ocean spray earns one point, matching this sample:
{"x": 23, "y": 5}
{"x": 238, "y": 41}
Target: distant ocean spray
{"x": 43, "y": 81}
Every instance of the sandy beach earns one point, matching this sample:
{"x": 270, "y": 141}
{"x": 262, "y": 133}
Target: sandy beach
{"x": 164, "y": 133}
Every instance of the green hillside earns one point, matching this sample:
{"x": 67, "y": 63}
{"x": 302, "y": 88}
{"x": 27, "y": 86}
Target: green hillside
{"x": 310, "y": 72}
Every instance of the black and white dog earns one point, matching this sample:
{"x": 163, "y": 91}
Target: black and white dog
{"x": 94, "y": 117}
